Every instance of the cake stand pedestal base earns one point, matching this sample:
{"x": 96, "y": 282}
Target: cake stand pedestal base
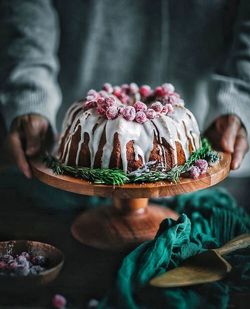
{"x": 124, "y": 225}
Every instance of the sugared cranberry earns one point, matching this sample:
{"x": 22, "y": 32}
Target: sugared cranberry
{"x": 26, "y": 255}
{"x": 194, "y": 172}
{"x": 133, "y": 88}
{"x": 125, "y": 88}
{"x": 36, "y": 269}
{"x": 3, "y": 265}
{"x": 129, "y": 113}
{"x": 140, "y": 117}
{"x": 123, "y": 98}
{"x": 22, "y": 270}
{"x": 59, "y": 301}
{"x": 117, "y": 91}
{"x": 39, "y": 260}
{"x": 12, "y": 265}
{"x": 93, "y": 304}
{"x": 168, "y": 88}
{"x": 107, "y": 87}
{"x": 101, "y": 110}
{"x": 173, "y": 98}
{"x": 103, "y": 94}
{"x": 89, "y": 104}
{"x": 145, "y": 91}
{"x": 159, "y": 91}
{"x": 157, "y": 106}
{"x": 111, "y": 112}
{"x": 110, "y": 101}
{"x": 140, "y": 106}
{"x": 202, "y": 165}
{"x": 151, "y": 113}
{"x": 7, "y": 258}
{"x": 168, "y": 109}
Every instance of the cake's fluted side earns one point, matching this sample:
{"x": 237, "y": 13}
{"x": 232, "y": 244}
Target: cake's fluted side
{"x": 90, "y": 140}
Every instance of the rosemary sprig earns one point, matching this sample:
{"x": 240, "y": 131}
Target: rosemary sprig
{"x": 151, "y": 172}
{"x": 96, "y": 175}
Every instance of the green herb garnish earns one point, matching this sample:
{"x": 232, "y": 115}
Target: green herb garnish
{"x": 149, "y": 173}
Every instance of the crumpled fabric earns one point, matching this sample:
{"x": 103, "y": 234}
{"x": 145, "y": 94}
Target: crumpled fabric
{"x": 209, "y": 219}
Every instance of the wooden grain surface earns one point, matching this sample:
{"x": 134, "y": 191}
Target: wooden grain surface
{"x": 163, "y": 188}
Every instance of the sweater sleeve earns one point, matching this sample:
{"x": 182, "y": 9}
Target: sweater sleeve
{"x": 229, "y": 87}
{"x": 29, "y": 35}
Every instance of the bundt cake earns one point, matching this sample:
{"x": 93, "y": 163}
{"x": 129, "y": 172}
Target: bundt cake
{"x": 127, "y": 126}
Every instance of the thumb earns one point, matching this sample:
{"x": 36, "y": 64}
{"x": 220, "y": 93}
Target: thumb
{"x": 230, "y": 126}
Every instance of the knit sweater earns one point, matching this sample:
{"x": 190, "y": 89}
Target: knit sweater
{"x": 202, "y": 47}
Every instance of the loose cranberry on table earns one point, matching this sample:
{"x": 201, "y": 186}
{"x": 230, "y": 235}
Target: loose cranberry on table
{"x": 59, "y": 301}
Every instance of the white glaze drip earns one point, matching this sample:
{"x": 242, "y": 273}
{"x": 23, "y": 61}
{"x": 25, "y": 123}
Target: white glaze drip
{"x": 177, "y": 127}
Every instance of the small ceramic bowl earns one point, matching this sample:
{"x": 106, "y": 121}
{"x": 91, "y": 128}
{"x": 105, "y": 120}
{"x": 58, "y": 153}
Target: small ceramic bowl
{"x": 53, "y": 255}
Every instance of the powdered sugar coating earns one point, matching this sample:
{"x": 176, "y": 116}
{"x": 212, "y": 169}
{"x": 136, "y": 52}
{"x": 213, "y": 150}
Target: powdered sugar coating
{"x": 141, "y": 99}
{"x": 129, "y": 113}
{"x": 140, "y": 117}
{"x": 202, "y": 165}
{"x": 140, "y": 106}
{"x": 194, "y": 172}
{"x": 157, "y": 106}
{"x": 111, "y": 112}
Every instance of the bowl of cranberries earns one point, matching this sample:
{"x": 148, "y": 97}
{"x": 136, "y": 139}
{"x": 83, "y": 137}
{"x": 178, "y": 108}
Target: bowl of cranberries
{"x": 29, "y": 263}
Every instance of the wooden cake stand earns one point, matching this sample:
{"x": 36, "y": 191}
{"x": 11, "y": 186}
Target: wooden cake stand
{"x": 130, "y": 220}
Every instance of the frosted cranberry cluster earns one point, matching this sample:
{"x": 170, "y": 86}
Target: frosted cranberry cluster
{"x": 133, "y": 103}
{"x": 199, "y": 168}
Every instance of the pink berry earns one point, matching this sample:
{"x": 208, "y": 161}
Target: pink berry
{"x": 151, "y": 113}
{"x": 125, "y": 88}
{"x": 89, "y": 104}
{"x": 140, "y": 106}
{"x": 101, "y": 110}
{"x": 129, "y": 113}
{"x": 168, "y": 109}
{"x": 145, "y": 91}
{"x": 59, "y": 301}
{"x": 3, "y": 265}
{"x": 173, "y": 98}
{"x": 111, "y": 112}
{"x": 92, "y": 95}
{"x": 140, "y": 117}
{"x": 159, "y": 91}
{"x": 133, "y": 88}
{"x": 13, "y": 265}
{"x": 194, "y": 172}
{"x": 107, "y": 87}
{"x": 26, "y": 254}
{"x": 110, "y": 101}
{"x": 103, "y": 94}
{"x": 117, "y": 91}
{"x": 202, "y": 165}
{"x": 168, "y": 88}
{"x": 157, "y": 106}
{"x": 123, "y": 98}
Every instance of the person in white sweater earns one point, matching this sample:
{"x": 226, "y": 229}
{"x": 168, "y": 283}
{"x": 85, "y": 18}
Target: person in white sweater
{"x": 202, "y": 47}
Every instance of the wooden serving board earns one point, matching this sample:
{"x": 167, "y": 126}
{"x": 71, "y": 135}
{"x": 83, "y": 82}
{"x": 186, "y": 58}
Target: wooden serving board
{"x": 148, "y": 190}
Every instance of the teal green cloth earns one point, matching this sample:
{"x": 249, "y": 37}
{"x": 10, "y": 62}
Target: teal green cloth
{"x": 209, "y": 219}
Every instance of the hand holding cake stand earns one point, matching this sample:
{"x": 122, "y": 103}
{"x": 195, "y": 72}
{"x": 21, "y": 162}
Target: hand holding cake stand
{"x": 131, "y": 219}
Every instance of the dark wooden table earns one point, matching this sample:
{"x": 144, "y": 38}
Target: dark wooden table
{"x": 26, "y": 212}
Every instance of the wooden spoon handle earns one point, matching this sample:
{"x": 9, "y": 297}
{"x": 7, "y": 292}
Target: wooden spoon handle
{"x": 239, "y": 242}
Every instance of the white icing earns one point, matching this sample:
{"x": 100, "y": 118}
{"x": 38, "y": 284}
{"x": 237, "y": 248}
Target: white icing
{"x": 177, "y": 127}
